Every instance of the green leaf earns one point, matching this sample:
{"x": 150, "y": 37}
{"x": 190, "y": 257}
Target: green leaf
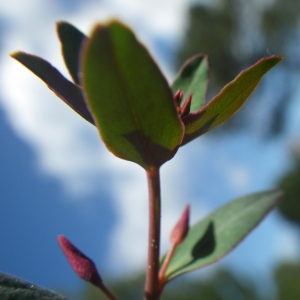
{"x": 129, "y": 97}
{"x": 67, "y": 91}
{"x": 71, "y": 41}
{"x": 193, "y": 79}
{"x": 228, "y": 101}
{"x": 17, "y": 289}
{"x": 216, "y": 235}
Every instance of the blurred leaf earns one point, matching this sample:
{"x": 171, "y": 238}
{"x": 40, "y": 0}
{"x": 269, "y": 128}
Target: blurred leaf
{"x": 234, "y": 40}
{"x": 130, "y": 98}
{"x": 212, "y": 238}
{"x": 220, "y": 285}
{"x": 289, "y": 183}
{"x": 67, "y": 91}
{"x": 228, "y": 101}
{"x": 17, "y": 289}
{"x": 287, "y": 277}
{"x": 193, "y": 79}
{"x": 71, "y": 41}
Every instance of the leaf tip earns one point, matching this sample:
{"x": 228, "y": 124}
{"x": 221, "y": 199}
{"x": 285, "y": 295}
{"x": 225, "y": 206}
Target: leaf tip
{"x": 15, "y": 54}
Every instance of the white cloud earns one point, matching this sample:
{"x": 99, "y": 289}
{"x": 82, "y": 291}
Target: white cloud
{"x": 238, "y": 175}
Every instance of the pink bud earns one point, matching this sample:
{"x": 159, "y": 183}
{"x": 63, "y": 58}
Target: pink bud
{"x": 185, "y": 109}
{"x": 178, "y": 97}
{"x": 83, "y": 266}
{"x": 181, "y": 228}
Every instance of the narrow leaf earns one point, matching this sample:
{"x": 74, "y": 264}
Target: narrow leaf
{"x": 130, "y": 99}
{"x": 193, "y": 79}
{"x": 71, "y": 41}
{"x": 67, "y": 91}
{"x": 17, "y": 289}
{"x": 228, "y": 101}
{"x": 212, "y": 238}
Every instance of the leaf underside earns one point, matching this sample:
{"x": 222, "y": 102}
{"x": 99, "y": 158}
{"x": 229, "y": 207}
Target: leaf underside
{"x": 216, "y": 235}
{"x": 17, "y": 289}
{"x": 67, "y": 91}
{"x": 130, "y": 98}
{"x": 228, "y": 101}
{"x": 71, "y": 40}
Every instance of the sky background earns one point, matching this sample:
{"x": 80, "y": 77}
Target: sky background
{"x": 57, "y": 177}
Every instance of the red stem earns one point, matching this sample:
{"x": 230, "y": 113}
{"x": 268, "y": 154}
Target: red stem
{"x": 163, "y": 269}
{"x": 108, "y": 293}
{"x": 152, "y": 287}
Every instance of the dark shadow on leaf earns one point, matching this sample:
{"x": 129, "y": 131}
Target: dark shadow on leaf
{"x": 153, "y": 154}
{"x": 203, "y": 129}
{"x": 206, "y": 245}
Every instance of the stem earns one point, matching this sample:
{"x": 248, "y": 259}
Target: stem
{"x": 108, "y": 293}
{"x": 152, "y": 287}
{"x": 165, "y": 265}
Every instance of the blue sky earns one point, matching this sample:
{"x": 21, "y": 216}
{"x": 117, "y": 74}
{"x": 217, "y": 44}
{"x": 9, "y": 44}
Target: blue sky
{"x": 58, "y": 178}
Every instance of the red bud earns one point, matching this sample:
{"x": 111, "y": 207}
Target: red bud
{"x": 178, "y": 97}
{"x": 81, "y": 264}
{"x": 185, "y": 109}
{"x": 181, "y": 228}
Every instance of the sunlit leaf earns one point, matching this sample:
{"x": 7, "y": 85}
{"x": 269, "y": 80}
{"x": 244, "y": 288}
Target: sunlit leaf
{"x": 17, "y": 289}
{"x": 129, "y": 97}
{"x": 228, "y": 101}
{"x": 193, "y": 79}
{"x": 216, "y": 235}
